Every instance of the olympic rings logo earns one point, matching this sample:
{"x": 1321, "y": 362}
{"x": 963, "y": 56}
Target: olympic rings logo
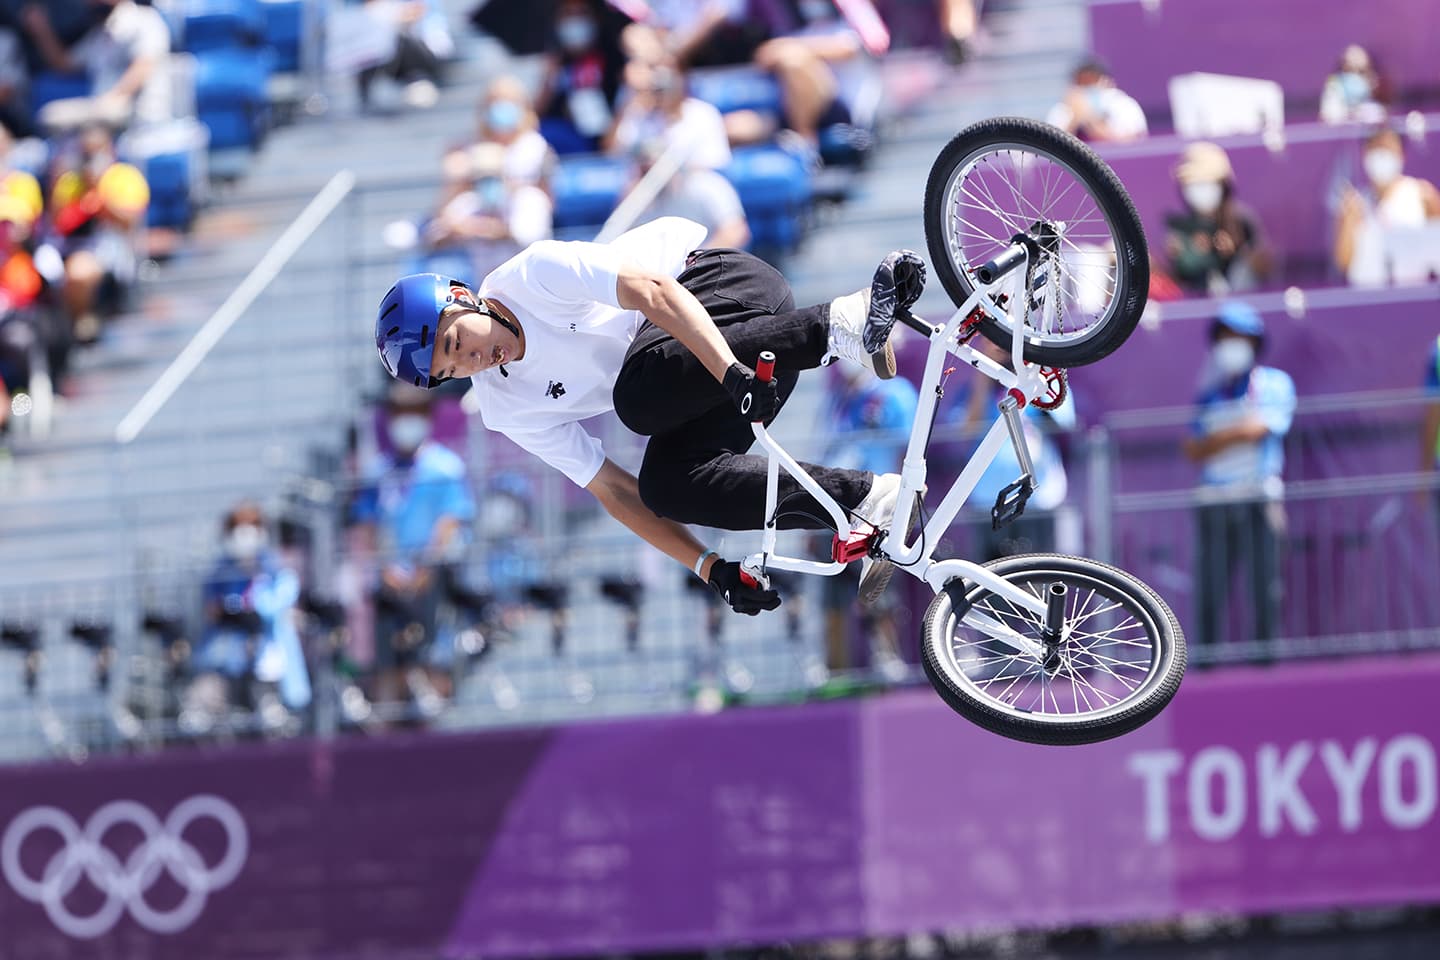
{"x": 124, "y": 885}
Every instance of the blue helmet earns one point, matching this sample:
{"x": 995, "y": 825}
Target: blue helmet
{"x": 1238, "y": 317}
{"x": 405, "y": 327}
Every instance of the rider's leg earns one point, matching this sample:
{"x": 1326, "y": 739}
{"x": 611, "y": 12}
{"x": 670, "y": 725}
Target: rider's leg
{"x": 701, "y": 474}
{"x": 662, "y": 385}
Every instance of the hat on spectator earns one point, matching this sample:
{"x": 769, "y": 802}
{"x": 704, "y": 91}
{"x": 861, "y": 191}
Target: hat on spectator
{"x": 1239, "y": 317}
{"x": 1203, "y": 162}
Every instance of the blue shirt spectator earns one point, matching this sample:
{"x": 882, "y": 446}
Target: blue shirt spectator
{"x": 408, "y": 497}
{"x": 250, "y": 598}
{"x": 872, "y": 419}
{"x": 1430, "y": 455}
{"x": 1243, "y": 409}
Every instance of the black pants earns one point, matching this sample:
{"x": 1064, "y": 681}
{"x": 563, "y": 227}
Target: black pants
{"x": 1234, "y": 536}
{"x": 696, "y": 469}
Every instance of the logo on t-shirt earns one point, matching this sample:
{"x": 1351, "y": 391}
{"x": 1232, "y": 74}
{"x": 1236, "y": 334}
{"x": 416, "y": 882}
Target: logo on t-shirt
{"x": 555, "y": 391}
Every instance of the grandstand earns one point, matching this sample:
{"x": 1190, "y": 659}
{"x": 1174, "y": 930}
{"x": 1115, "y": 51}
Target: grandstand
{"x": 581, "y": 753}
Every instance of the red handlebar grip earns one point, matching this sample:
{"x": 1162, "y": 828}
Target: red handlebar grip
{"x": 748, "y": 580}
{"x": 765, "y": 369}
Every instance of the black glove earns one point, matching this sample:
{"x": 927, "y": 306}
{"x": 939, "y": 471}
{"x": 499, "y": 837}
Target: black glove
{"x": 755, "y": 400}
{"x": 725, "y": 581}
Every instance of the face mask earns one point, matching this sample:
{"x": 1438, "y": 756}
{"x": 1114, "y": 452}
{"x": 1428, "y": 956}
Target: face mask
{"x": 492, "y": 192}
{"x": 1095, "y": 97}
{"x": 1203, "y": 198}
{"x": 575, "y": 33}
{"x": 96, "y": 164}
{"x": 245, "y": 541}
{"x": 1383, "y": 166}
{"x": 1354, "y": 88}
{"x": 1233, "y": 356}
{"x": 408, "y": 431}
{"x": 503, "y": 116}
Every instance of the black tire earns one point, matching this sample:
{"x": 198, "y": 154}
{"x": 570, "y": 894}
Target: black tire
{"x": 970, "y": 693}
{"x": 1131, "y": 264}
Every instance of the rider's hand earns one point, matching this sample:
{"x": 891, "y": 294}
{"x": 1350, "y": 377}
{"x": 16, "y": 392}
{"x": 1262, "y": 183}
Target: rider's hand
{"x": 756, "y": 400}
{"x": 725, "y": 580}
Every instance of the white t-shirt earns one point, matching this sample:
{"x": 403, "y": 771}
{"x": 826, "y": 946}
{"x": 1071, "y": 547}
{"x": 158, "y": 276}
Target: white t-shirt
{"x": 1121, "y": 112}
{"x": 131, "y": 32}
{"x": 576, "y": 334}
{"x": 700, "y": 127}
{"x": 700, "y": 195}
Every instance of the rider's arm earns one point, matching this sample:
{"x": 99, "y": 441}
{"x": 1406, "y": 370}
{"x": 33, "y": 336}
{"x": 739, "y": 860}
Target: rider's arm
{"x": 619, "y": 493}
{"x": 675, "y": 310}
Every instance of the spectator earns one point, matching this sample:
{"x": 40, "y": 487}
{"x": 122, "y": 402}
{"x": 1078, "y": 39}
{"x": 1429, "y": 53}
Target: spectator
{"x": 871, "y": 424}
{"x": 508, "y": 118}
{"x": 410, "y": 60}
{"x": 18, "y": 185}
{"x": 660, "y": 111}
{"x": 1430, "y": 429}
{"x": 482, "y": 215}
{"x": 413, "y": 509}
{"x": 1243, "y": 412}
{"x": 814, "y": 51}
{"x": 1392, "y": 203}
{"x": 695, "y": 33}
{"x": 958, "y": 21}
{"x": 20, "y": 287}
{"x": 584, "y": 66}
{"x": 250, "y": 635}
{"x": 97, "y": 205}
{"x": 14, "y": 111}
{"x": 975, "y": 408}
{"x": 125, "y": 55}
{"x": 1354, "y": 93}
{"x": 697, "y": 194}
{"x": 1215, "y": 245}
{"x": 1095, "y": 110}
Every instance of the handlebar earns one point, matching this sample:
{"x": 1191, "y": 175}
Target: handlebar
{"x": 765, "y": 368}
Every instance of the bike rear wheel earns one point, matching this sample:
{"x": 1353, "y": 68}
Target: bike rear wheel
{"x": 1010, "y": 176}
{"x": 1119, "y": 660}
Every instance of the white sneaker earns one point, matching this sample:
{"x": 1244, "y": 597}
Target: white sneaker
{"x": 876, "y": 510}
{"x": 848, "y": 316}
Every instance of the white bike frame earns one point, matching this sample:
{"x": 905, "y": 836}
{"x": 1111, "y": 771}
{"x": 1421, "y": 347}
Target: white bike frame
{"x": 1024, "y": 385}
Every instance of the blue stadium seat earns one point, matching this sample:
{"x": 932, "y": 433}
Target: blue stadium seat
{"x": 46, "y": 86}
{"x": 776, "y": 191}
{"x": 169, "y": 177}
{"x": 736, "y": 88}
{"x": 284, "y": 30}
{"x": 587, "y": 188}
{"x": 223, "y": 24}
{"x": 231, "y": 97}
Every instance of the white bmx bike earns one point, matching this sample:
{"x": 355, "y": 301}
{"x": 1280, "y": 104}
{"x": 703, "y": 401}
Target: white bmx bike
{"x": 1038, "y": 244}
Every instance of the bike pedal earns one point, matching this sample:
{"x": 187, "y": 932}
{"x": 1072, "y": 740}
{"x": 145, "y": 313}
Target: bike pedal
{"x": 1010, "y": 502}
{"x": 846, "y": 551}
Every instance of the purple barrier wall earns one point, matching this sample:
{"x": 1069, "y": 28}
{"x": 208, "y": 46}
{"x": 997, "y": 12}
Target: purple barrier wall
{"x": 1293, "y": 191}
{"x": 1253, "y": 792}
{"x": 1258, "y": 38}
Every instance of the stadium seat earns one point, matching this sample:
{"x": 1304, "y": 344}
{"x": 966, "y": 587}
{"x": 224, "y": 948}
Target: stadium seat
{"x": 775, "y": 189}
{"x": 587, "y": 188}
{"x": 223, "y": 24}
{"x": 47, "y": 86}
{"x": 736, "y": 88}
{"x": 231, "y": 98}
{"x": 284, "y": 32}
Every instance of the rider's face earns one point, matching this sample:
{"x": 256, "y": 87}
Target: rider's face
{"x": 467, "y": 343}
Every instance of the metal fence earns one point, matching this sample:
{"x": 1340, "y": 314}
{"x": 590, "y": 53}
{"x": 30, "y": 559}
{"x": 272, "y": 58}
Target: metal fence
{"x": 107, "y": 546}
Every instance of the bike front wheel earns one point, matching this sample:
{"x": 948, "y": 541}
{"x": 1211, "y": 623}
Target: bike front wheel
{"x": 1118, "y": 661}
{"x": 1008, "y": 176}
